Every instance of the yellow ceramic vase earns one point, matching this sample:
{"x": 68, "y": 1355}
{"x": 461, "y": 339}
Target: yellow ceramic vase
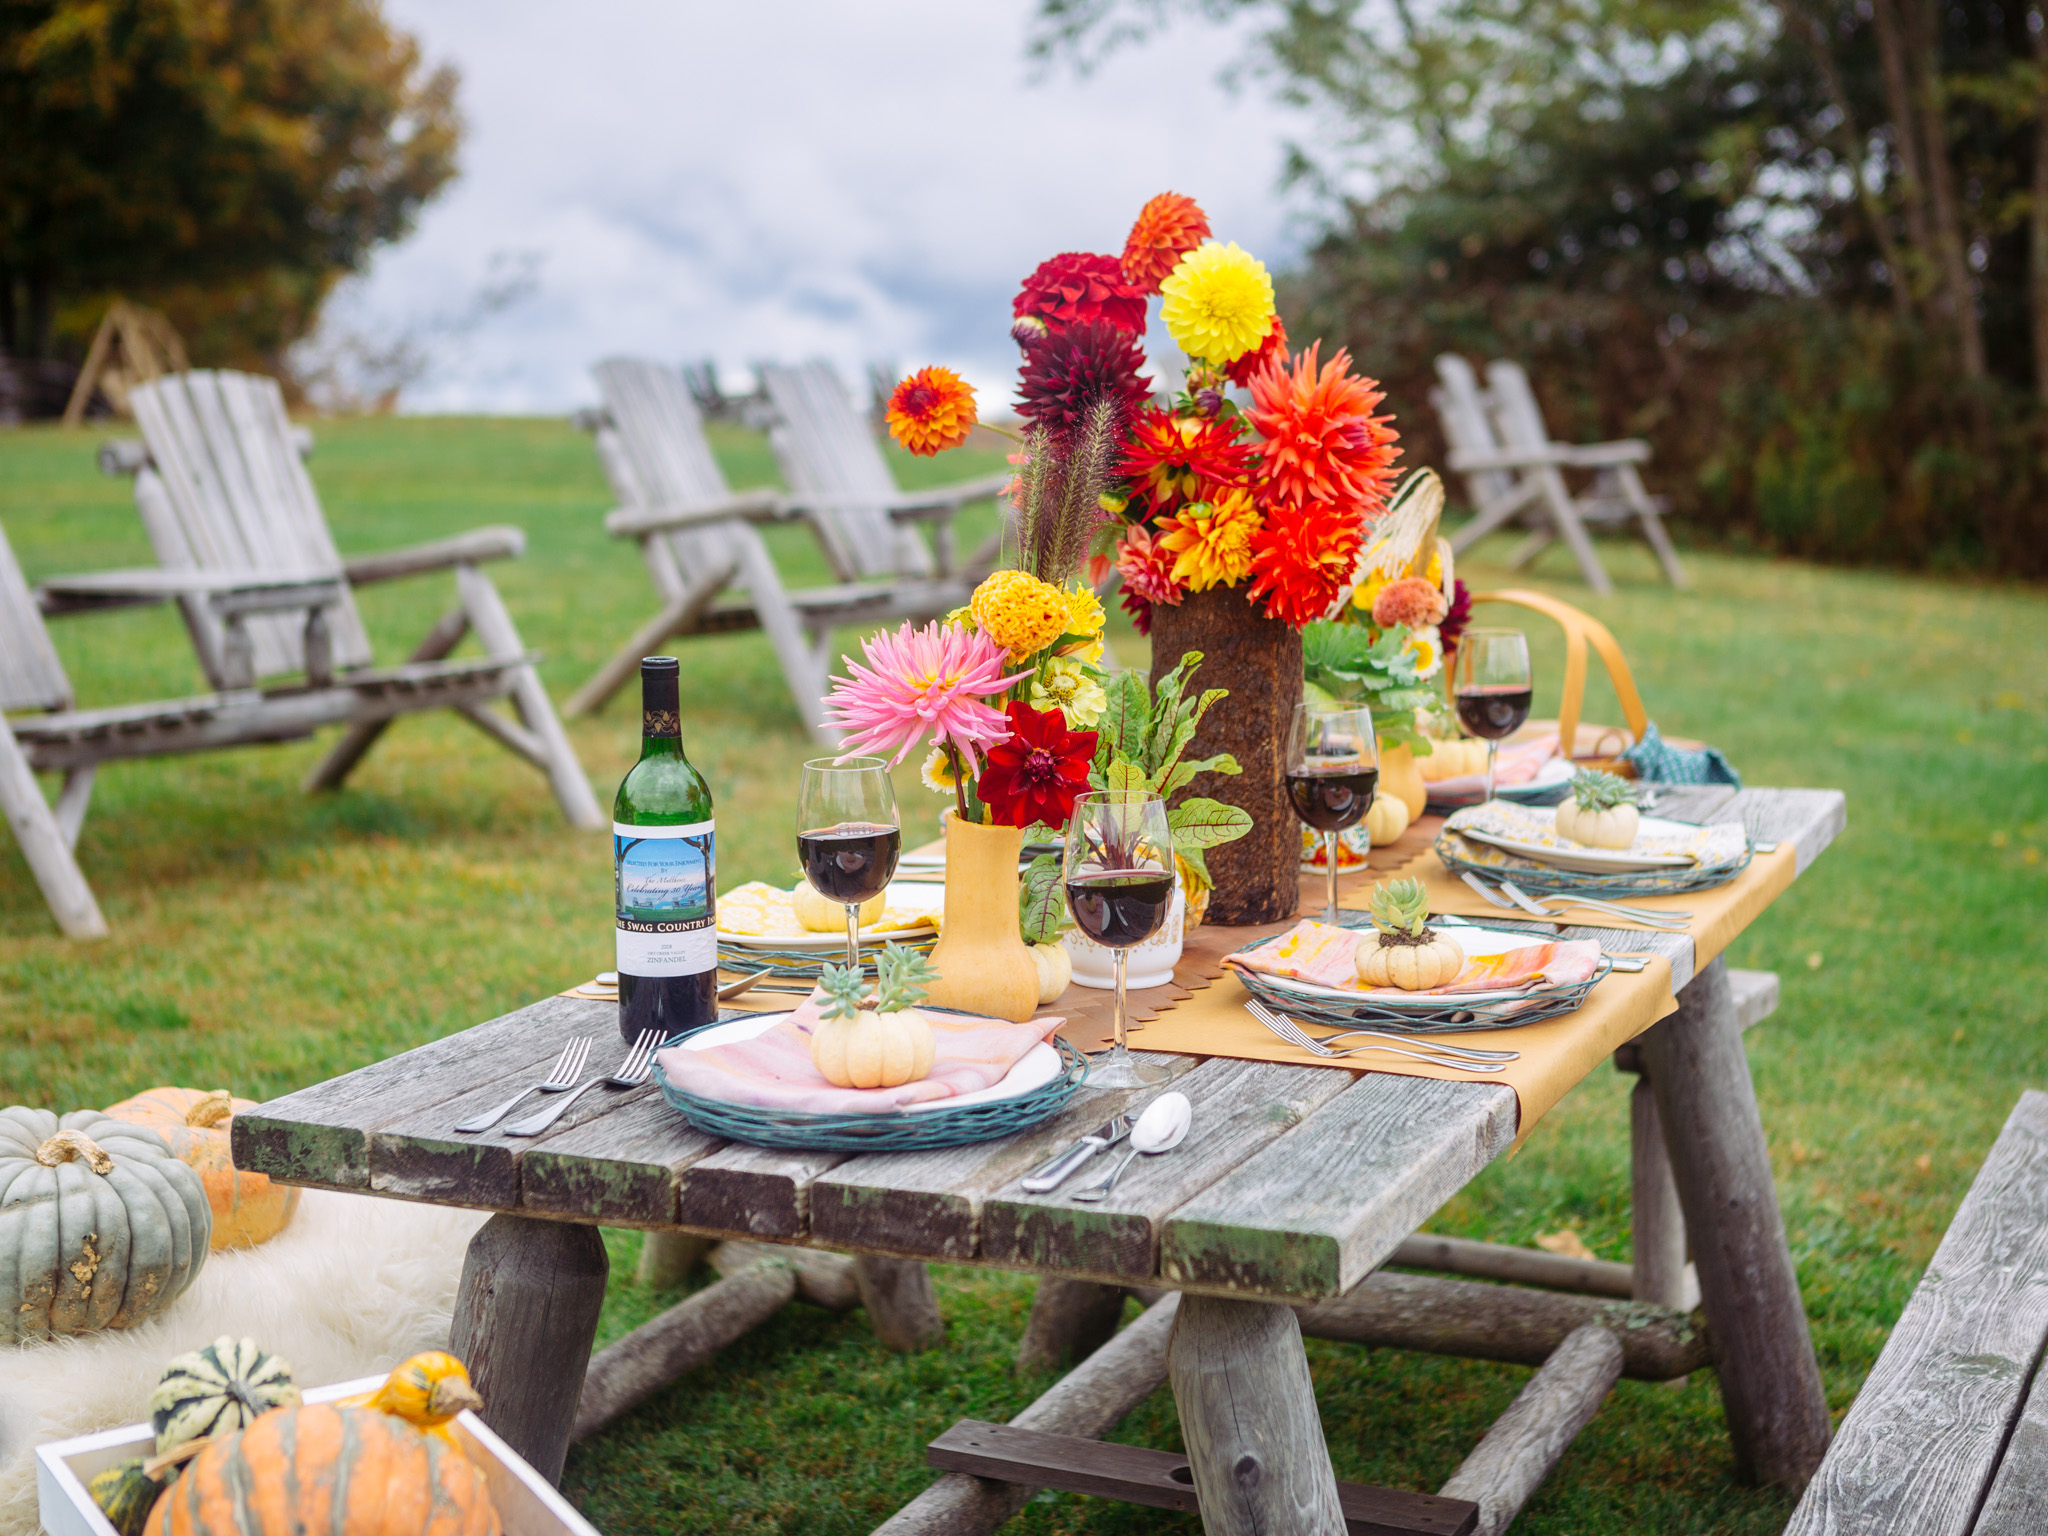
{"x": 981, "y": 958}
{"x": 1401, "y": 777}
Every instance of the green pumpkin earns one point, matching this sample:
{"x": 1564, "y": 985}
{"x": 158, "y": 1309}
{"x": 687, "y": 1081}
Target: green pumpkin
{"x": 100, "y": 1225}
{"x": 126, "y": 1494}
{"x": 216, "y": 1391}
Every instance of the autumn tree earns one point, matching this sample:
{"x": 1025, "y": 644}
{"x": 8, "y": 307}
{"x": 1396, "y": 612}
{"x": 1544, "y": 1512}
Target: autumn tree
{"x": 244, "y": 154}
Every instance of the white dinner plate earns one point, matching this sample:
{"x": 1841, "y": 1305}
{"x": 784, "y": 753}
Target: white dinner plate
{"x": 1474, "y": 941}
{"x": 1030, "y": 1072}
{"x": 1592, "y": 861}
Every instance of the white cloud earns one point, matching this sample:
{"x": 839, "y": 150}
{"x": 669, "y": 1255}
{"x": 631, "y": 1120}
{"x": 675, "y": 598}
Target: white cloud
{"x": 790, "y": 179}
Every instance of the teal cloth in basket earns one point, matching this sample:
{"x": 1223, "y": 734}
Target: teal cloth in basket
{"x": 1660, "y": 763}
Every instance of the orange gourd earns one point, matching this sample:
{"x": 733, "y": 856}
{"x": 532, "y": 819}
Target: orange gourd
{"x": 427, "y": 1391}
{"x": 338, "y": 1471}
{"x": 247, "y": 1208}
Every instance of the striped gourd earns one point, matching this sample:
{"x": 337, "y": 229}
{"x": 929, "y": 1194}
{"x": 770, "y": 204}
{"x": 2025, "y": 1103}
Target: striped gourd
{"x": 327, "y": 1469}
{"x": 125, "y": 1495}
{"x": 427, "y": 1391}
{"x": 216, "y": 1390}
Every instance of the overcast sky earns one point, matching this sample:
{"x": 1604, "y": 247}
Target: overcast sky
{"x": 789, "y": 178}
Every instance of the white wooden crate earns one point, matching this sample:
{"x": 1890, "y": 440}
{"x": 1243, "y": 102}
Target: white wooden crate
{"x": 527, "y": 1506}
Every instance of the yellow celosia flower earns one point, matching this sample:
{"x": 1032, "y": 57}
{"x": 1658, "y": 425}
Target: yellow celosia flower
{"x": 1368, "y": 589}
{"x": 1067, "y": 687}
{"x": 1427, "y": 647}
{"x": 937, "y": 772}
{"x": 1084, "y": 611}
{"x": 1218, "y": 303}
{"x": 1019, "y": 612}
{"x": 1211, "y": 541}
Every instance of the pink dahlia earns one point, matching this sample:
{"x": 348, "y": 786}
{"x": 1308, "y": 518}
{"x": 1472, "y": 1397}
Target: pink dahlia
{"x": 920, "y": 682}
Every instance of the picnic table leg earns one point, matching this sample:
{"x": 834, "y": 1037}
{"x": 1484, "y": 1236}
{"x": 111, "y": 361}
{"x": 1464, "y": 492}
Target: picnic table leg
{"x": 525, "y": 1318}
{"x": 1770, "y": 1380}
{"x": 1248, "y": 1417}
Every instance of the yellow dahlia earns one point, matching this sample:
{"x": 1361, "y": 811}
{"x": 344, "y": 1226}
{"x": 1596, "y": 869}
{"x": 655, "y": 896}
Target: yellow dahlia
{"x": 931, "y": 410}
{"x": 1211, "y": 541}
{"x": 1019, "y": 612}
{"x": 1084, "y": 611}
{"x": 1219, "y": 303}
{"x": 1066, "y": 686}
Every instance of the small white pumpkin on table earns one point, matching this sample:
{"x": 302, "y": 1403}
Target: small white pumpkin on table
{"x": 884, "y": 1045}
{"x": 1403, "y": 950}
{"x": 1600, "y": 812}
{"x": 819, "y": 913}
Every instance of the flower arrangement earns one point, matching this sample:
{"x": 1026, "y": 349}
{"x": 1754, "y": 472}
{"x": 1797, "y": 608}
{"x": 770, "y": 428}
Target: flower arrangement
{"x": 1275, "y": 497}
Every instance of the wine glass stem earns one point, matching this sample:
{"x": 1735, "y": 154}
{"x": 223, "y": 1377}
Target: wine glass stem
{"x": 853, "y": 937}
{"x": 1330, "y": 860}
{"x": 1122, "y": 958}
{"x": 1492, "y": 751}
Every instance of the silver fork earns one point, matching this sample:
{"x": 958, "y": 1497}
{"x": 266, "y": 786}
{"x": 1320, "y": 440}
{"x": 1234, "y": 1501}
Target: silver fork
{"x": 1292, "y": 1033}
{"x": 1517, "y": 897}
{"x": 1468, "y": 1052}
{"x": 563, "y": 1074}
{"x": 631, "y": 1074}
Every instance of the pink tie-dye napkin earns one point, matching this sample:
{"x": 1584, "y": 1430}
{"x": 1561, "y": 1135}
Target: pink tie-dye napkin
{"x": 1315, "y": 952}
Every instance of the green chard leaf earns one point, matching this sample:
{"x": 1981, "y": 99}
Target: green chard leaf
{"x": 1206, "y": 824}
{"x": 1042, "y": 901}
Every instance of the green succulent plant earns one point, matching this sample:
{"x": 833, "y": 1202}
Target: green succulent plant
{"x": 904, "y": 976}
{"x": 842, "y": 986}
{"x": 1593, "y": 790}
{"x": 1400, "y": 910}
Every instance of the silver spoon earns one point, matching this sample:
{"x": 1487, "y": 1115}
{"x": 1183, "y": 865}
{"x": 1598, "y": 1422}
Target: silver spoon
{"x": 1161, "y": 1128}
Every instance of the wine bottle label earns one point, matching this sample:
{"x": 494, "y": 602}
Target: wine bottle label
{"x": 667, "y": 885}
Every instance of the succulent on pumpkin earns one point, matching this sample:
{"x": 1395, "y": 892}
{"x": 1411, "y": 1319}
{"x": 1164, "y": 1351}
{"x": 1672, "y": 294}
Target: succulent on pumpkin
{"x": 842, "y": 986}
{"x": 1400, "y": 910}
{"x": 904, "y": 975}
{"x": 1593, "y": 790}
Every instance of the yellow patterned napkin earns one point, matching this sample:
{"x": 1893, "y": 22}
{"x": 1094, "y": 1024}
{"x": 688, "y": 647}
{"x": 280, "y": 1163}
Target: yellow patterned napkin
{"x": 758, "y": 910}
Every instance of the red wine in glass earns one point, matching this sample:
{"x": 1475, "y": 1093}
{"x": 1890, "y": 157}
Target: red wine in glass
{"x": 1332, "y": 801}
{"x": 852, "y": 862}
{"x": 1120, "y": 907}
{"x": 1494, "y": 711}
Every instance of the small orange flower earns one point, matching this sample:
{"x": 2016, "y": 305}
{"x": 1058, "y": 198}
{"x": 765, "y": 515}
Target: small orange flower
{"x": 932, "y": 410}
{"x": 1168, "y": 228}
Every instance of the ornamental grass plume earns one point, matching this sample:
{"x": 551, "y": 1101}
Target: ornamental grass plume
{"x": 1211, "y": 540}
{"x": 919, "y": 683}
{"x": 1219, "y": 303}
{"x": 1322, "y": 441}
{"x": 1059, "y": 491}
{"x": 1167, "y": 228}
{"x": 931, "y": 411}
{"x": 1076, "y": 288}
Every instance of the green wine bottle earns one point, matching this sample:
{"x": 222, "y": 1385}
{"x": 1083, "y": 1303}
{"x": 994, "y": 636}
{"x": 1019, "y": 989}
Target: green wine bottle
{"x": 665, "y": 870}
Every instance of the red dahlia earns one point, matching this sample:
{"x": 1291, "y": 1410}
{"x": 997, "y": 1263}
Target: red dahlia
{"x": 1038, "y": 774}
{"x": 1065, "y": 375}
{"x": 1272, "y": 348}
{"x": 1168, "y": 457}
{"x": 1076, "y": 288}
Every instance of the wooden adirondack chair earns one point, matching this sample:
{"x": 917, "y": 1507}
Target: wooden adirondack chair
{"x": 838, "y": 476}
{"x": 1513, "y": 469}
{"x": 246, "y": 554}
{"x": 700, "y": 543}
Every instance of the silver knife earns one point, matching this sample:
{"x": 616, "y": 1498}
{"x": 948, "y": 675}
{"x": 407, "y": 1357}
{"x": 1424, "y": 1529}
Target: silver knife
{"x": 1052, "y": 1174}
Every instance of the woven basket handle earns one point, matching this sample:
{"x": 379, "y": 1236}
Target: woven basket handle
{"x": 1579, "y": 628}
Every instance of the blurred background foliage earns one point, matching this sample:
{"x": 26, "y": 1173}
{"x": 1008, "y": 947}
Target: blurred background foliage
{"x": 1801, "y": 246}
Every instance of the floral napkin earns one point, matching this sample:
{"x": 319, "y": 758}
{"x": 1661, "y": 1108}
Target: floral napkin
{"x": 773, "y": 1070}
{"x": 1707, "y": 847}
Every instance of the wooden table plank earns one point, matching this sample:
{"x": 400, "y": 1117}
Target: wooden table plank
{"x": 753, "y": 1191}
{"x": 1319, "y": 1208}
{"x": 623, "y": 1168}
{"x": 929, "y": 1204}
{"x": 1808, "y": 819}
{"x": 1239, "y": 1107}
{"x": 320, "y": 1135}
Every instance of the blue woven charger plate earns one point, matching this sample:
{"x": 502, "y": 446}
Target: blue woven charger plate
{"x": 923, "y": 1130}
{"x": 803, "y": 964}
{"x": 1508, "y": 1010}
{"x": 1461, "y": 855}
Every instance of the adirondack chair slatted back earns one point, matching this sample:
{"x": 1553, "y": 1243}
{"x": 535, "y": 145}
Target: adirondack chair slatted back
{"x": 825, "y": 448}
{"x": 1515, "y": 410}
{"x": 1462, "y": 407}
{"x": 655, "y": 454}
{"x": 31, "y": 677}
{"x": 225, "y": 491}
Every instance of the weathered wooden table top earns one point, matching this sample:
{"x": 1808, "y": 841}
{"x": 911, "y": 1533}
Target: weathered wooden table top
{"x": 1295, "y": 1182}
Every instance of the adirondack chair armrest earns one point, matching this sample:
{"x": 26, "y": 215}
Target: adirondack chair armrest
{"x": 124, "y": 456}
{"x": 1479, "y": 460}
{"x": 246, "y": 591}
{"x": 1630, "y": 450}
{"x": 756, "y": 506}
{"x": 471, "y": 548}
{"x": 923, "y": 505}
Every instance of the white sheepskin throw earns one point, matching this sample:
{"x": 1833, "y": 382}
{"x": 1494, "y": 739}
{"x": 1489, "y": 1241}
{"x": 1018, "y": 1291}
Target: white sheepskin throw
{"x": 353, "y": 1286}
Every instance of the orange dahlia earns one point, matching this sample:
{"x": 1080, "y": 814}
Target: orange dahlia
{"x": 1168, "y": 457}
{"x": 1210, "y": 539}
{"x": 931, "y": 410}
{"x": 1302, "y": 558}
{"x": 1322, "y": 441}
{"x": 1168, "y": 228}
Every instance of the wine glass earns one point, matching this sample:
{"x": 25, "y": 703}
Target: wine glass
{"x": 847, "y": 835}
{"x": 1333, "y": 767}
{"x": 1118, "y": 866}
{"x": 1494, "y": 688}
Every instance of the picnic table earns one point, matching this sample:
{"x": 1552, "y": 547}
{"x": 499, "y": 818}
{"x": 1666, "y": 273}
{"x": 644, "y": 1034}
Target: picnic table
{"x": 1307, "y": 1181}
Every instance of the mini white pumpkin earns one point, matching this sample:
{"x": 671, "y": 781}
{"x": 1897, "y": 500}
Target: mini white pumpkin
{"x": 886, "y": 1046}
{"x": 1055, "y": 970}
{"x": 821, "y": 914}
{"x": 1403, "y": 950}
{"x": 1387, "y": 819}
{"x": 1600, "y": 812}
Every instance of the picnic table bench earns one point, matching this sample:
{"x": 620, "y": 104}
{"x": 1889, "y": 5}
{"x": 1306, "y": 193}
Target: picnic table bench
{"x": 1300, "y": 1184}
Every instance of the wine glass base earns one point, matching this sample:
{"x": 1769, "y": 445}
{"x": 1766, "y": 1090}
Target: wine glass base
{"x": 1120, "y": 1069}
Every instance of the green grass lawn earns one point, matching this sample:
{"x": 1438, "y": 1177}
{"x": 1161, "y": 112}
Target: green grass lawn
{"x": 265, "y": 940}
